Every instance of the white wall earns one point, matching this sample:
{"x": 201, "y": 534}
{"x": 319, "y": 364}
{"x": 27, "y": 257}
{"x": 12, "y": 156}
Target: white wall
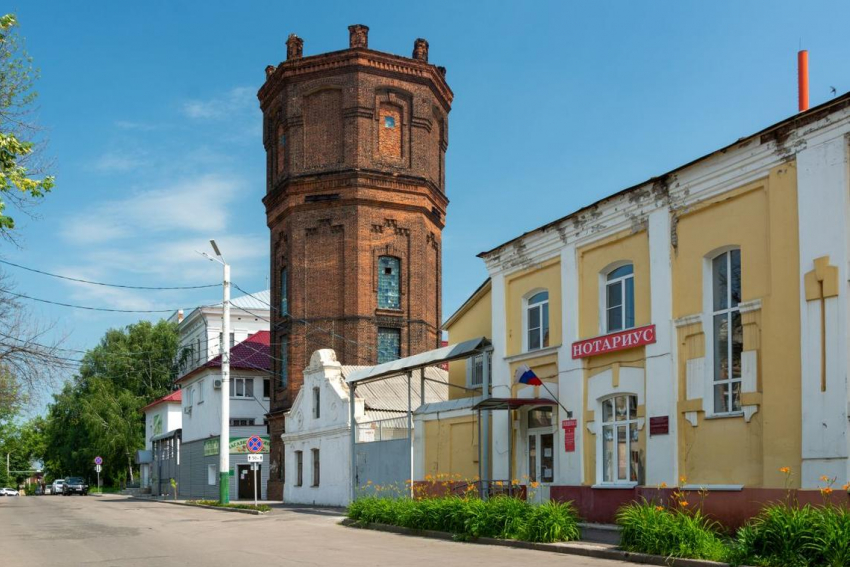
{"x": 169, "y": 412}
{"x": 823, "y": 183}
{"x": 202, "y": 327}
{"x": 204, "y": 419}
{"x": 330, "y": 433}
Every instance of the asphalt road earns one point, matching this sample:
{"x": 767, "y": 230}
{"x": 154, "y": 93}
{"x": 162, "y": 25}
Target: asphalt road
{"x": 113, "y": 530}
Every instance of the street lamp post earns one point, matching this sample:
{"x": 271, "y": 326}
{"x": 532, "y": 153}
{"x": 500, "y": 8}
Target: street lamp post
{"x": 224, "y": 438}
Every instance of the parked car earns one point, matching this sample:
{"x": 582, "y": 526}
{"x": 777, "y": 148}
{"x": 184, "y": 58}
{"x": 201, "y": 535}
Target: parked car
{"x": 48, "y": 489}
{"x": 57, "y": 486}
{"x": 8, "y": 492}
{"x": 75, "y": 485}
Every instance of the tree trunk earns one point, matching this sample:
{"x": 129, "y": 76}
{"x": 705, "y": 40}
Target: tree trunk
{"x": 130, "y": 467}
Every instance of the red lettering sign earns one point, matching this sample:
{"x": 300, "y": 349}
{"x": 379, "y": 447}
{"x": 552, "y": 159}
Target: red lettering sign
{"x": 569, "y": 426}
{"x": 614, "y": 342}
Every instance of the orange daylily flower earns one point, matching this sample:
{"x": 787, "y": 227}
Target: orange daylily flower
{"x": 785, "y": 470}
{"x": 683, "y": 503}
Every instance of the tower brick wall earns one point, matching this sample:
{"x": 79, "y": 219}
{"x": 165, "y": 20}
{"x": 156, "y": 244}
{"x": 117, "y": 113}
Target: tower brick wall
{"x": 355, "y": 143}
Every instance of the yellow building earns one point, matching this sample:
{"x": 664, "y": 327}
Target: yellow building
{"x": 694, "y": 325}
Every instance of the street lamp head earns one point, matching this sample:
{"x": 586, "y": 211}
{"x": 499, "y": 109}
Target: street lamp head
{"x": 215, "y": 248}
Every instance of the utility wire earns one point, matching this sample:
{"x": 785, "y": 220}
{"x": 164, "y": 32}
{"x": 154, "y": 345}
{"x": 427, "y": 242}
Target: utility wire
{"x": 88, "y": 308}
{"x": 149, "y": 288}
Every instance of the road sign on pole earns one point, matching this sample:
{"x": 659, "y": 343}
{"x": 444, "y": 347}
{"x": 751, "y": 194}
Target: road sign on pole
{"x": 98, "y": 461}
{"x": 255, "y": 445}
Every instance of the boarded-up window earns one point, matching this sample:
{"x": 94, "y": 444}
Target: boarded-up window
{"x": 323, "y": 128}
{"x": 389, "y": 131}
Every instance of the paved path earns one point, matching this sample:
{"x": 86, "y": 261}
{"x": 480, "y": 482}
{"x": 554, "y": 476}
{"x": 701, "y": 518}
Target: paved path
{"x": 113, "y": 530}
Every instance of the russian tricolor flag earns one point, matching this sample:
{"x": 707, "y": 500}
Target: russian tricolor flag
{"x": 525, "y": 375}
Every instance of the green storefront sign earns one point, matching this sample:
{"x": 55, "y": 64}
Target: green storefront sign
{"x": 238, "y": 445}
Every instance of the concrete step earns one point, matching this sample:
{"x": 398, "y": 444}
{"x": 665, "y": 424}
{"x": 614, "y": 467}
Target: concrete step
{"x": 600, "y": 533}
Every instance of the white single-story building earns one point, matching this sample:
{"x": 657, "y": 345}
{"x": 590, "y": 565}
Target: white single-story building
{"x": 317, "y": 442}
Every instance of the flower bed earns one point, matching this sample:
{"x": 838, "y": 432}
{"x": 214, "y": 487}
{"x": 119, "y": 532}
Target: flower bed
{"x": 501, "y": 517}
{"x": 217, "y": 504}
{"x": 781, "y": 535}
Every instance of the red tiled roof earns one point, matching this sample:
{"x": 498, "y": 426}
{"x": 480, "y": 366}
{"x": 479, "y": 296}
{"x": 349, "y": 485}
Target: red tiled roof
{"x": 251, "y": 354}
{"x": 173, "y": 398}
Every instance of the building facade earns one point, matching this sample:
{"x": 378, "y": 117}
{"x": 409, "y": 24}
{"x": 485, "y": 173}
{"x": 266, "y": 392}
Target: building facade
{"x": 200, "y": 438}
{"x": 355, "y": 143}
{"x": 162, "y": 417}
{"x": 691, "y": 329}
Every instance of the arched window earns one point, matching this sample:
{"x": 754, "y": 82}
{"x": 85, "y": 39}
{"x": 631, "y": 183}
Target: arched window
{"x": 537, "y": 321}
{"x": 620, "y": 455}
{"x": 728, "y": 331}
{"x": 620, "y": 299}
{"x": 389, "y": 288}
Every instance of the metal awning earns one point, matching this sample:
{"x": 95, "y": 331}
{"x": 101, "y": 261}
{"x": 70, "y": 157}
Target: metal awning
{"x": 434, "y": 357}
{"x": 512, "y": 403}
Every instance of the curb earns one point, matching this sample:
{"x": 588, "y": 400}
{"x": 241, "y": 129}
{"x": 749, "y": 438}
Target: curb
{"x": 219, "y": 508}
{"x": 598, "y": 551}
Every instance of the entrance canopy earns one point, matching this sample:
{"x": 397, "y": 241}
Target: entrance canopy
{"x": 512, "y": 403}
{"x": 434, "y": 357}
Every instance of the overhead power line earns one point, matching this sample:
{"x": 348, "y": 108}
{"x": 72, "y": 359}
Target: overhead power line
{"x": 86, "y": 307}
{"x": 79, "y": 280}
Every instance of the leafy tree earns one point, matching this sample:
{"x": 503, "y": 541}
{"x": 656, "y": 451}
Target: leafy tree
{"x": 100, "y": 412}
{"x": 20, "y": 184}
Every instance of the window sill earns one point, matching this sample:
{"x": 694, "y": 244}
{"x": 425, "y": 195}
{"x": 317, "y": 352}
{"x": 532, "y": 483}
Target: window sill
{"x": 612, "y": 486}
{"x": 725, "y": 415}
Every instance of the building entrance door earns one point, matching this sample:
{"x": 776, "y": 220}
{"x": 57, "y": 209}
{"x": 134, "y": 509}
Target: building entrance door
{"x": 245, "y": 481}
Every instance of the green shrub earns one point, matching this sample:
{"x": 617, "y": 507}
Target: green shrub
{"x": 217, "y": 504}
{"x": 647, "y": 528}
{"x": 501, "y": 517}
{"x": 785, "y": 536}
{"x": 552, "y": 521}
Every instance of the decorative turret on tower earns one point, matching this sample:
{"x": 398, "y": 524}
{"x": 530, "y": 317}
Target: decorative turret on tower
{"x": 355, "y": 157}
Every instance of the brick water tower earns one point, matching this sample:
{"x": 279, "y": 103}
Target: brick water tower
{"x": 355, "y": 158}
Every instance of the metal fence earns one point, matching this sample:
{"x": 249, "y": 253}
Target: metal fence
{"x": 382, "y": 430}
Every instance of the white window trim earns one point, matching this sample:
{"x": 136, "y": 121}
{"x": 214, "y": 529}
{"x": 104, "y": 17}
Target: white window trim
{"x": 200, "y": 391}
{"x": 600, "y": 443}
{"x": 708, "y": 331}
{"x": 470, "y": 366}
{"x": 233, "y": 380}
{"x": 603, "y": 295}
{"x": 525, "y": 327}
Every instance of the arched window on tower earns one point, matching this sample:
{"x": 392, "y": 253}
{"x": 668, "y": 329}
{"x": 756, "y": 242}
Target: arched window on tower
{"x": 389, "y": 282}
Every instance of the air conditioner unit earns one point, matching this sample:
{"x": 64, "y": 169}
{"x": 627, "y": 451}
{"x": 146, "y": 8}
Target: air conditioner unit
{"x": 187, "y": 410}
{"x": 217, "y": 384}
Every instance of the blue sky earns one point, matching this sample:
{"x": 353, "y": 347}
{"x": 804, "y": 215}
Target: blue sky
{"x": 154, "y": 128}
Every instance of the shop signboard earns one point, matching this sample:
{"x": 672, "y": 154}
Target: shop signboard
{"x": 238, "y": 445}
{"x": 623, "y": 340}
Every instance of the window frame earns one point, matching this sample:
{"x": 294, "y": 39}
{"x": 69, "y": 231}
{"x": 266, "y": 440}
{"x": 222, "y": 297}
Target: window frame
{"x": 378, "y": 343}
{"x": 397, "y": 266}
{"x": 625, "y": 300}
{"x": 729, "y": 312}
{"x": 475, "y": 367}
{"x": 614, "y": 424}
{"x": 212, "y": 474}
{"x": 284, "y": 291}
{"x": 245, "y": 381}
{"x": 542, "y": 307}
{"x": 316, "y": 467}
{"x": 317, "y": 402}
{"x": 299, "y": 468}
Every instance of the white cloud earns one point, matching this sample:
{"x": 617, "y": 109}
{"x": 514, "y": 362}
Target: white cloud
{"x": 139, "y": 126}
{"x": 189, "y": 205}
{"x": 114, "y": 161}
{"x": 235, "y": 101}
